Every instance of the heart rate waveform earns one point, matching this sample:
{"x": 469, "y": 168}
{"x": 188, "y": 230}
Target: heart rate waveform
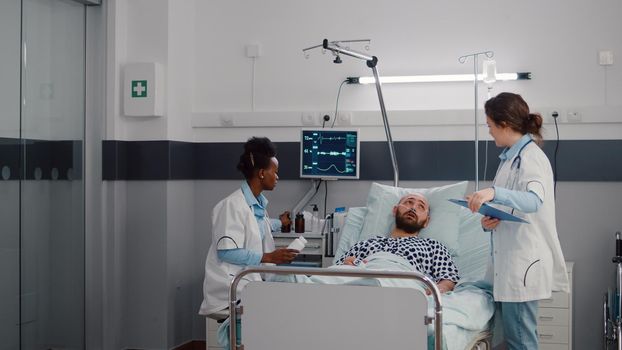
{"x": 329, "y": 153}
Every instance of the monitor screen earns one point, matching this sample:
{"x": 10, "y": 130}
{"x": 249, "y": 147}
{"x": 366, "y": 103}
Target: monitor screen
{"x": 329, "y": 154}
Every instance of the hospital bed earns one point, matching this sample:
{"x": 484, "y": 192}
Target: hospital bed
{"x": 330, "y": 316}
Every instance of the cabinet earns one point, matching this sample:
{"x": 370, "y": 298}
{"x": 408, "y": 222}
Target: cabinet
{"x": 555, "y": 319}
{"x": 212, "y": 331}
{"x": 313, "y": 253}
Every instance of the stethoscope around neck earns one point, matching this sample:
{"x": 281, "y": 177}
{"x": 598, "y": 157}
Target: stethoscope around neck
{"x": 518, "y": 159}
{"x": 516, "y": 163}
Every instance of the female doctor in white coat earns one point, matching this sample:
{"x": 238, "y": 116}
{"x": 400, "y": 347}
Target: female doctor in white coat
{"x": 527, "y": 260}
{"x": 241, "y": 228}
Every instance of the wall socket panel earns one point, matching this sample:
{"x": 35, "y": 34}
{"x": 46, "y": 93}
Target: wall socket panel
{"x": 309, "y": 118}
{"x": 573, "y": 116}
{"x": 605, "y": 57}
{"x": 253, "y": 50}
{"x": 344, "y": 119}
{"x": 564, "y": 115}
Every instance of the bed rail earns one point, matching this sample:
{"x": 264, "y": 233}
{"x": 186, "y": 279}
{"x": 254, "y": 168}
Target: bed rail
{"x": 438, "y": 308}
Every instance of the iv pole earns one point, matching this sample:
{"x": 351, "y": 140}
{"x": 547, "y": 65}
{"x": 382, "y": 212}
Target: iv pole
{"x": 372, "y": 61}
{"x": 462, "y": 59}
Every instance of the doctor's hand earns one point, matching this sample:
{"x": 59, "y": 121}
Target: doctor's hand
{"x": 476, "y": 199}
{"x": 489, "y": 223}
{"x": 285, "y": 219}
{"x": 280, "y": 256}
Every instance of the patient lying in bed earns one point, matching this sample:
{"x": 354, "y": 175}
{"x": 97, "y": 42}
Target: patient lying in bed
{"x": 412, "y": 214}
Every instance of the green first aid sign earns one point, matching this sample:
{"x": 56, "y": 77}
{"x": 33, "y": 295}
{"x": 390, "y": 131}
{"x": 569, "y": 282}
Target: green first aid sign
{"x": 139, "y": 88}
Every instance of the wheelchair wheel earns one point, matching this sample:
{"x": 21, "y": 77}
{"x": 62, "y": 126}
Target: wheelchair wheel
{"x": 607, "y": 325}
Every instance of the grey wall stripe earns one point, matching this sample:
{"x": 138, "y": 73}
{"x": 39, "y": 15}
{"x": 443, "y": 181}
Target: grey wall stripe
{"x": 578, "y": 160}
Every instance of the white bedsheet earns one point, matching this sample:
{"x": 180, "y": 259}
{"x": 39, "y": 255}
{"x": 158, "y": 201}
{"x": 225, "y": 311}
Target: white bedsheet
{"x": 466, "y": 310}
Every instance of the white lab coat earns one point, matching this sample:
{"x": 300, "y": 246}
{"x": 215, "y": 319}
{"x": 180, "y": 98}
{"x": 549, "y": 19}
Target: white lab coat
{"x": 233, "y": 226}
{"x": 527, "y": 260}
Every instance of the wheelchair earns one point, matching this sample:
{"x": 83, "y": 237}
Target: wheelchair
{"x": 612, "y": 305}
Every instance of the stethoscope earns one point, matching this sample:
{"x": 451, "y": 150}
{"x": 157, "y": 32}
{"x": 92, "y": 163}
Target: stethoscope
{"x": 517, "y": 160}
{"x": 515, "y": 166}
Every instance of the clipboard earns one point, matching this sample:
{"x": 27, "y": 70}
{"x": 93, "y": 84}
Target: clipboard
{"x": 488, "y": 210}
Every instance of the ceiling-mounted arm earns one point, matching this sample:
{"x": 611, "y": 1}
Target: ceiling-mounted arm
{"x": 334, "y": 47}
{"x": 371, "y": 61}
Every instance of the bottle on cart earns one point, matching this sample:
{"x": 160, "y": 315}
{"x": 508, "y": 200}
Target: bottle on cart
{"x": 286, "y": 228}
{"x": 298, "y": 244}
{"x": 299, "y": 223}
{"x": 315, "y": 220}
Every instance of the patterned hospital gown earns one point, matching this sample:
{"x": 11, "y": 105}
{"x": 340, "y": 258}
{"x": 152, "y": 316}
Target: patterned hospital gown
{"x": 428, "y": 256}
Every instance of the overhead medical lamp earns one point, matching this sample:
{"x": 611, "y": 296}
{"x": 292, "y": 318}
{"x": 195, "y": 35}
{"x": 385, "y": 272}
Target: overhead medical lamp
{"x": 437, "y": 78}
{"x": 372, "y": 61}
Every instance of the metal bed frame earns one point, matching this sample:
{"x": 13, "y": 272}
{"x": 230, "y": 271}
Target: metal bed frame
{"x": 235, "y": 310}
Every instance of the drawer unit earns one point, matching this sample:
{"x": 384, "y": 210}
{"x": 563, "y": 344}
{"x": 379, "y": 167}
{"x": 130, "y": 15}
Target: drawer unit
{"x": 554, "y": 334}
{"x": 558, "y": 299}
{"x": 212, "y": 332}
{"x": 555, "y": 319}
{"x": 546, "y": 346}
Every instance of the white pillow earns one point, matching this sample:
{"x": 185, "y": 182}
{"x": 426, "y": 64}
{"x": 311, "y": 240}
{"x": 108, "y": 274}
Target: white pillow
{"x": 444, "y": 220}
{"x": 351, "y": 230}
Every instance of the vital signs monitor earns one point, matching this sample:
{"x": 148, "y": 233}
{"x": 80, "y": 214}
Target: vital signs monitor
{"x": 329, "y": 154}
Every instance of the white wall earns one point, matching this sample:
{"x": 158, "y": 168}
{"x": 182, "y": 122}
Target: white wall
{"x": 556, "y": 41}
{"x": 201, "y": 44}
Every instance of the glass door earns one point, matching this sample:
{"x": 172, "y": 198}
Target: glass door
{"x": 10, "y": 29}
{"x": 51, "y": 189}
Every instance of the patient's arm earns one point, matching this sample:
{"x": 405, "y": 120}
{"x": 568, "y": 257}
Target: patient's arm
{"x": 444, "y": 286}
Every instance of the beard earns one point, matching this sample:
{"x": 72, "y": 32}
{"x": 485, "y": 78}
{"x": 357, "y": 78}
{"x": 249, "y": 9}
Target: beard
{"x": 406, "y": 225}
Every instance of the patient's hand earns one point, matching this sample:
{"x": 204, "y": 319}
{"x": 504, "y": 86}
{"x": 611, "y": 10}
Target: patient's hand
{"x": 443, "y": 286}
{"x": 351, "y": 261}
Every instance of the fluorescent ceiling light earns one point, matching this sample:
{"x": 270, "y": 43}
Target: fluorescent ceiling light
{"x": 436, "y": 78}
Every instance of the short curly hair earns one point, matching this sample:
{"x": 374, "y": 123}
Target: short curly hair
{"x": 257, "y": 154}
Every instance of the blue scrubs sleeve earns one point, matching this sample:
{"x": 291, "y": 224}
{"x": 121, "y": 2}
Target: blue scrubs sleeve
{"x": 527, "y": 202}
{"x": 275, "y": 225}
{"x": 243, "y": 257}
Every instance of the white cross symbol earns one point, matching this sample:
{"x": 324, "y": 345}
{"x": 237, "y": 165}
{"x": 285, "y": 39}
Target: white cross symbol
{"x": 138, "y": 89}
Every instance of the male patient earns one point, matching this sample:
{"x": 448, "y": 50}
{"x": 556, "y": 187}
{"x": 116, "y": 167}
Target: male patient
{"x": 412, "y": 213}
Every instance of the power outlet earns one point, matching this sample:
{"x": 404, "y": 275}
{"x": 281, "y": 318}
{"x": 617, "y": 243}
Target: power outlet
{"x": 554, "y": 114}
{"x": 309, "y": 118}
{"x": 573, "y": 116}
{"x": 226, "y": 120}
{"x": 605, "y": 57}
{"x": 344, "y": 118}
{"x": 253, "y": 50}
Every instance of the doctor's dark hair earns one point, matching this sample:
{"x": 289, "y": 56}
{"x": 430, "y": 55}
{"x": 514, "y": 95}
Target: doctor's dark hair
{"x": 257, "y": 154}
{"x": 511, "y": 110}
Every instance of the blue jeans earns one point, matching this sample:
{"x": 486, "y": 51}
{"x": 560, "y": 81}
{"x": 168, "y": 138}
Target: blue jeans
{"x": 520, "y": 324}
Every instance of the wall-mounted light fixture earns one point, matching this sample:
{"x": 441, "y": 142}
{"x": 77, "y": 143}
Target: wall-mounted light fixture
{"x": 436, "y": 78}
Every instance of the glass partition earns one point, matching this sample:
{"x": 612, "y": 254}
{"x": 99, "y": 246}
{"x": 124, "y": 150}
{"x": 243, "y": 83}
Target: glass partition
{"x": 10, "y": 13}
{"x": 42, "y": 111}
